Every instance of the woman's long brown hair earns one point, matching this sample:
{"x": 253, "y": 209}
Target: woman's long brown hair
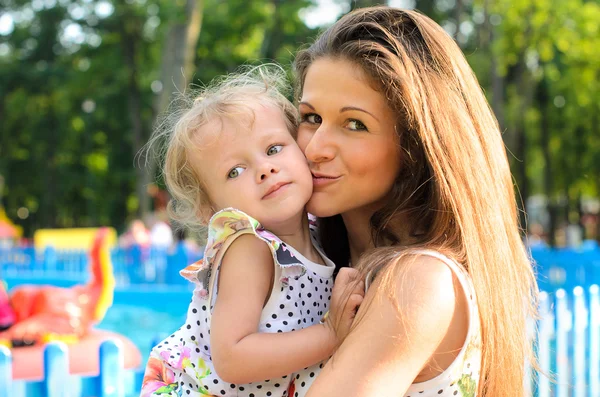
{"x": 454, "y": 187}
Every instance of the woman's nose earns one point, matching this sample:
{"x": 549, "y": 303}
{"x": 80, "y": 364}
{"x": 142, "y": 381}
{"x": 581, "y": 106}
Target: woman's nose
{"x": 319, "y": 147}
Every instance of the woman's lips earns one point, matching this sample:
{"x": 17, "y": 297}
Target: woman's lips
{"x": 324, "y": 180}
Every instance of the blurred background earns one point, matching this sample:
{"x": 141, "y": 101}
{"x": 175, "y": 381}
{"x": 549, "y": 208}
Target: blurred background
{"x": 83, "y": 83}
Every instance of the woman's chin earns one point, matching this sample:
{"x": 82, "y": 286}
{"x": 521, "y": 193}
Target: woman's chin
{"x": 320, "y": 208}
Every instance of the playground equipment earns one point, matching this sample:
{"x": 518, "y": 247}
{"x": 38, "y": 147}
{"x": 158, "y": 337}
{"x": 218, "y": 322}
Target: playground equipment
{"x": 111, "y": 378}
{"x": 8, "y": 230}
{"x": 46, "y": 313}
{"x": 7, "y": 314}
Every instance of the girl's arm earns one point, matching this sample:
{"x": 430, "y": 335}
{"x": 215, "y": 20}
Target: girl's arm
{"x": 395, "y": 339}
{"x": 239, "y": 352}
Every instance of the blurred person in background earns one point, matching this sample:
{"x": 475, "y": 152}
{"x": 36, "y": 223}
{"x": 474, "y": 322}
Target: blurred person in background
{"x": 161, "y": 234}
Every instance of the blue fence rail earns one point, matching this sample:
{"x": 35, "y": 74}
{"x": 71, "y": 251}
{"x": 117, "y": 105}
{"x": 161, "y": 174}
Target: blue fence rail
{"x": 556, "y": 268}
{"x": 567, "y": 268}
{"x": 568, "y": 348}
{"x": 132, "y": 265}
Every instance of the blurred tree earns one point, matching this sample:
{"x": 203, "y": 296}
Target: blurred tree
{"x": 177, "y": 69}
{"x": 248, "y": 32}
{"x": 545, "y": 56}
{"x": 366, "y": 3}
{"x": 82, "y": 82}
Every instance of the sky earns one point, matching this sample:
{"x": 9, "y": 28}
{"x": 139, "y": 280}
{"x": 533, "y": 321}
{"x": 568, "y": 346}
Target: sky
{"x": 327, "y": 11}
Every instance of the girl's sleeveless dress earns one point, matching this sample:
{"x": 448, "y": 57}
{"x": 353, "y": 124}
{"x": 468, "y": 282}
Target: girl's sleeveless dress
{"x": 181, "y": 365}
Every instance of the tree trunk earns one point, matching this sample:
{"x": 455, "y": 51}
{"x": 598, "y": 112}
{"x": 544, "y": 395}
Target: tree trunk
{"x": 525, "y": 89}
{"x": 177, "y": 68}
{"x": 177, "y": 64}
{"x": 274, "y": 34}
{"x": 458, "y": 10}
{"x": 497, "y": 80}
{"x": 543, "y": 103}
{"x": 131, "y": 35}
{"x": 427, "y": 7}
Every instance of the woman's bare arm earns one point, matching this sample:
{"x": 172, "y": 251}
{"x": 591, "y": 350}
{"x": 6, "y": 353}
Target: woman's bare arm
{"x": 393, "y": 341}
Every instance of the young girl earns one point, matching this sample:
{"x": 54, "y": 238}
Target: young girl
{"x": 254, "y": 326}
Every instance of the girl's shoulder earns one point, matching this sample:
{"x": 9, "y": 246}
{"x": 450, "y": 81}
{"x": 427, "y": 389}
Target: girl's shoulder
{"x": 224, "y": 228}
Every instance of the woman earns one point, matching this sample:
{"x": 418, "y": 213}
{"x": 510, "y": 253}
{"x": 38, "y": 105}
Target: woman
{"x": 409, "y": 167}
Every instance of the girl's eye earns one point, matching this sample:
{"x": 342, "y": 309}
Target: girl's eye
{"x": 356, "y": 125}
{"x": 274, "y": 149}
{"x": 235, "y": 172}
{"x": 311, "y": 118}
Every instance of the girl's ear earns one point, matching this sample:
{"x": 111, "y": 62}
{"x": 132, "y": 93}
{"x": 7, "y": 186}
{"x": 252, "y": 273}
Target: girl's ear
{"x": 205, "y": 213}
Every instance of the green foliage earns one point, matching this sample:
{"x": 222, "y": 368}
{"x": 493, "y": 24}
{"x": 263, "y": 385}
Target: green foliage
{"x": 66, "y": 138}
{"x": 67, "y": 141}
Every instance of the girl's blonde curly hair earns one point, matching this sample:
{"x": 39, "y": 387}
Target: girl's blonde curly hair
{"x": 228, "y": 97}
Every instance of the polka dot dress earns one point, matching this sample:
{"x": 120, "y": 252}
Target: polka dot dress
{"x": 182, "y": 364}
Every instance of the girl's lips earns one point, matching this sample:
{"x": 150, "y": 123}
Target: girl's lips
{"x": 279, "y": 187}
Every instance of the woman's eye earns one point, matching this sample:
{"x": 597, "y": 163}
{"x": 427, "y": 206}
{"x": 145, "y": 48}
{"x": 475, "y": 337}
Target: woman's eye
{"x": 235, "y": 172}
{"x": 312, "y": 118}
{"x": 356, "y": 125}
{"x": 274, "y": 149}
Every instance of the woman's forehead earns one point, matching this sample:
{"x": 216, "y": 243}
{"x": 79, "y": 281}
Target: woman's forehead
{"x": 341, "y": 81}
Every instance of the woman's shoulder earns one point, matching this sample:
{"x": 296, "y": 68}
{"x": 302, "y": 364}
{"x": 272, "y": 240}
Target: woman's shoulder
{"x": 424, "y": 286}
{"x": 426, "y": 279}
{"x": 431, "y": 299}
{"x": 428, "y": 267}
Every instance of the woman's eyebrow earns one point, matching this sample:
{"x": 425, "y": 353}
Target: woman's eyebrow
{"x": 306, "y": 104}
{"x": 347, "y": 108}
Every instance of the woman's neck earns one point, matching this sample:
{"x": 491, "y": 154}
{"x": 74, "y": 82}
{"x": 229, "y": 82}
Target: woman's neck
{"x": 360, "y": 233}
{"x": 358, "y": 227}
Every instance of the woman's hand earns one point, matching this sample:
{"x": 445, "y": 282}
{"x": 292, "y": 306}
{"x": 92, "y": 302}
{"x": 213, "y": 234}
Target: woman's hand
{"x": 347, "y": 295}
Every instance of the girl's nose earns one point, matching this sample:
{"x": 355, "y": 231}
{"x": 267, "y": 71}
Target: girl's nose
{"x": 264, "y": 175}
{"x": 265, "y": 171}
